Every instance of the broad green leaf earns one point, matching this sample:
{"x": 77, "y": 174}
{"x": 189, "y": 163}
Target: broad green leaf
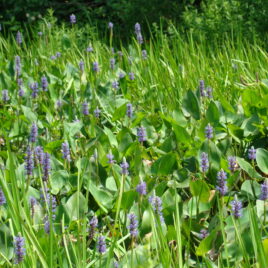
{"x": 191, "y": 105}
{"x": 200, "y": 189}
{"x": 164, "y": 165}
{"x": 181, "y": 134}
{"x": 262, "y": 160}
{"x": 206, "y": 244}
{"x": 111, "y": 137}
{"x": 248, "y": 168}
{"x": 212, "y": 114}
{"x": 74, "y": 209}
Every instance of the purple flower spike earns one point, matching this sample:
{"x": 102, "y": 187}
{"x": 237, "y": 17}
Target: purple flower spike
{"x": 19, "y": 249}
{"x": 222, "y": 184}
{"x": 33, "y": 202}
{"x": 33, "y": 133}
{"x": 19, "y": 38}
{"x": 209, "y": 131}
{"x": 252, "y": 153}
{"x": 144, "y": 54}
{"x": 46, "y": 225}
{"x": 137, "y": 28}
{"x": 203, "y": 233}
{"x": 101, "y": 244}
{"x": 204, "y": 162}
{"x": 17, "y": 66}
{"x": 66, "y": 151}
{"x": 39, "y": 154}
{"x": 232, "y": 163}
{"x": 236, "y": 208}
{"x": 129, "y": 110}
{"x": 115, "y": 85}
{"x": 156, "y": 204}
{"x": 46, "y": 166}
{"x": 2, "y": 198}
{"x": 29, "y": 161}
{"x": 121, "y": 75}
{"x": 81, "y": 66}
{"x": 58, "y": 54}
{"x": 110, "y": 158}
{"x": 202, "y": 89}
{"x": 110, "y": 25}
{"x": 124, "y": 166}
{"x": 131, "y": 76}
{"x": 209, "y": 92}
{"x": 35, "y": 90}
{"x": 141, "y": 133}
{"x": 93, "y": 224}
{"x": 44, "y": 83}
{"x": 112, "y": 63}
{"x": 96, "y": 67}
{"x": 85, "y": 110}
{"x": 89, "y": 49}
{"x": 142, "y": 188}
{"x": 97, "y": 112}
{"x": 264, "y": 191}
{"x": 72, "y": 19}
{"x": 133, "y": 225}
{"x": 5, "y": 97}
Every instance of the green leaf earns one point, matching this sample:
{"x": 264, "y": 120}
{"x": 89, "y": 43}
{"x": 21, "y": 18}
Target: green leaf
{"x": 200, "y": 189}
{"x": 212, "y": 113}
{"x": 191, "y": 105}
{"x": 73, "y": 210}
{"x": 58, "y": 180}
{"x": 119, "y": 113}
{"x": 206, "y": 244}
{"x": 262, "y": 160}
{"x": 29, "y": 114}
{"x": 111, "y": 137}
{"x": 70, "y": 129}
{"x": 248, "y": 168}
{"x": 128, "y": 199}
{"x": 181, "y": 134}
{"x": 164, "y": 165}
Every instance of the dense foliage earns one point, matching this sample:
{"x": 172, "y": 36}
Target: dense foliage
{"x": 213, "y": 17}
{"x": 154, "y": 155}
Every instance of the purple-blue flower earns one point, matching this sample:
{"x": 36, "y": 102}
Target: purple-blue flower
{"x": 97, "y": 112}
{"x": 131, "y": 76}
{"x": 264, "y": 191}
{"x": 144, "y": 54}
{"x": 19, "y": 249}
{"x": 33, "y": 202}
{"x": 46, "y": 166}
{"x": 252, "y": 153}
{"x": 133, "y": 225}
{"x": 236, "y": 208}
{"x": 29, "y": 161}
{"x": 204, "y": 162}
{"x": 110, "y": 158}
{"x": 209, "y": 131}
{"x": 203, "y": 233}
{"x": 2, "y": 198}
{"x": 5, "y": 97}
{"x": 112, "y": 63}
{"x": 124, "y": 166}
{"x": 115, "y": 84}
{"x": 17, "y": 66}
{"x": 110, "y": 25}
{"x": 39, "y": 154}
{"x": 44, "y": 83}
{"x": 89, "y": 49}
{"x": 156, "y": 204}
{"x": 209, "y": 92}
{"x": 19, "y": 38}
{"x": 232, "y": 163}
{"x": 72, "y": 19}
{"x": 142, "y": 188}
{"x": 96, "y": 66}
{"x": 85, "y": 110}
{"x": 33, "y": 133}
{"x": 101, "y": 244}
{"x": 66, "y": 151}
{"x": 35, "y": 90}
{"x": 93, "y": 224}
{"x": 202, "y": 88}
{"x": 141, "y": 133}
{"x": 221, "y": 182}
{"x": 129, "y": 110}
{"x": 121, "y": 75}
{"x": 81, "y": 66}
